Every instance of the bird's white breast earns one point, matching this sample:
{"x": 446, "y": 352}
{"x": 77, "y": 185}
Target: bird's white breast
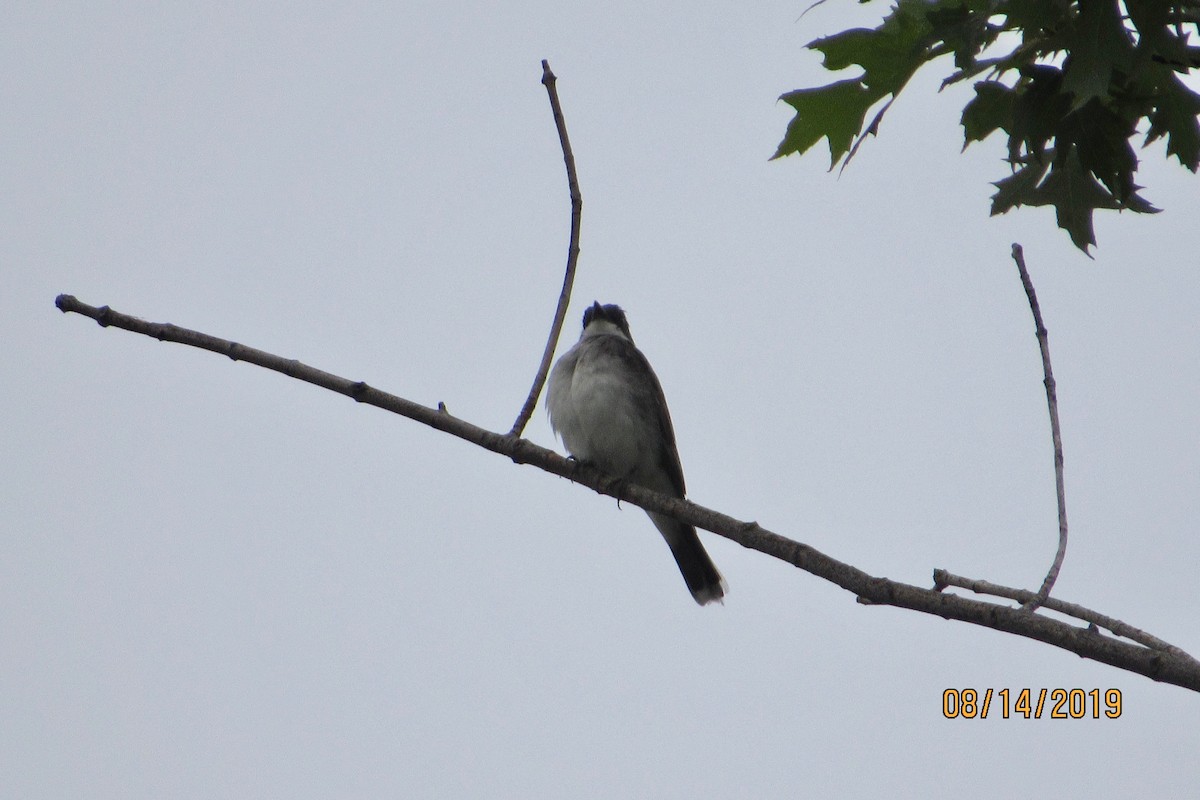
{"x": 592, "y": 408}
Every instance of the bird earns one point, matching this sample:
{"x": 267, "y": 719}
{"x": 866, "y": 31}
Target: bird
{"x": 607, "y": 406}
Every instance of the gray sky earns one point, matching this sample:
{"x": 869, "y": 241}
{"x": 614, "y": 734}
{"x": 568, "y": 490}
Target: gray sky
{"x": 217, "y": 582}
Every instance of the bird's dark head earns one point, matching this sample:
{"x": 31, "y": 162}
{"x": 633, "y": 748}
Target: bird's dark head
{"x": 605, "y": 319}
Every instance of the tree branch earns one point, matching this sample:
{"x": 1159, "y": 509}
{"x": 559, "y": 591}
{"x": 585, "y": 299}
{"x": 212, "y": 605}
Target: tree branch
{"x": 1018, "y": 255}
{"x": 1167, "y": 665}
{"x": 942, "y": 579}
{"x": 564, "y": 297}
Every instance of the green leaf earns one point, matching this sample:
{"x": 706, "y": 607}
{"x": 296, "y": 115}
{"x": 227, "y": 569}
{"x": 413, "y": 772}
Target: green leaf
{"x": 888, "y": 55}
{"x": 965, "y": 29}
{"x": 1039, "y": 108}
{"x": 1101, "y": 138}
{"x": 834, "y": 112}
{"x": 992, "y": 108}
{"x": 1175, "y": 116}
{"x": 1098, "y": 45}
{"x": 1036, "y": 17}
{"x": 1090, "y": 73}
{"x": 1075, "y": 194}
{"x": 1071, "y": 189}
{"x": 1018, "y": 189}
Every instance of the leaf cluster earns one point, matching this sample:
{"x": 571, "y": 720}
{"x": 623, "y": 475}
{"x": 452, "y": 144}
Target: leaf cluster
{"x": 1068, "y": 82}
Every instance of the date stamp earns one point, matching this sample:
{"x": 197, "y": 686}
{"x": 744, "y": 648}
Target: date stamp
{"x": 1031, "y": 703}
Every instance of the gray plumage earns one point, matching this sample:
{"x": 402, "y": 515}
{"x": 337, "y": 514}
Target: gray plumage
{"x": 606, "y": 404}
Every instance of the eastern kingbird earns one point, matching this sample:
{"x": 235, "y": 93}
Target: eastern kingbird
{"x": 607, "y": 405}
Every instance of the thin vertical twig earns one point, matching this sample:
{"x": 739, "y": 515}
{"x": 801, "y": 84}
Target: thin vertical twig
{"x": 564, "y": 298}
{"x": 1018, "y": 255}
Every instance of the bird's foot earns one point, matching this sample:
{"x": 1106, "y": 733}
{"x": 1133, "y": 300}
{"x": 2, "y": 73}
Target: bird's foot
{"x": 616, "y": 487}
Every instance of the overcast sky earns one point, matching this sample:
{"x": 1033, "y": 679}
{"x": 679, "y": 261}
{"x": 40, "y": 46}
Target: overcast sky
{"x": 218, "y": 582}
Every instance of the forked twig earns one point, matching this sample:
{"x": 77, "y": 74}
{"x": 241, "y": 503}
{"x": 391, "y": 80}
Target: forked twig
{"x": 942, "y": 579}
{"x": 564, "y": 298}
{"x": 1032, "y": 604}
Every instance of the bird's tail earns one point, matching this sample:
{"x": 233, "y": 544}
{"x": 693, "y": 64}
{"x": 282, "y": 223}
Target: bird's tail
{"x": 703, "y": 580}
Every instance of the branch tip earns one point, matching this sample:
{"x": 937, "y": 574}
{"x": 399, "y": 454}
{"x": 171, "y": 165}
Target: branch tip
{"x": 564, "y": 297}
{"x": 1018, "y": 255}
{"x": 939, "y": 580}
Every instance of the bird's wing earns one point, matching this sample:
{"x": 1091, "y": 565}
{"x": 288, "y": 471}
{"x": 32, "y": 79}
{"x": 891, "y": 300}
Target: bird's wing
{"x": 653, "y": 406}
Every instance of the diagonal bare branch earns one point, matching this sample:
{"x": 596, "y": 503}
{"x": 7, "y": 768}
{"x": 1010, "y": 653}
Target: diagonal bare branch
{"x": 1167, "y": 665}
